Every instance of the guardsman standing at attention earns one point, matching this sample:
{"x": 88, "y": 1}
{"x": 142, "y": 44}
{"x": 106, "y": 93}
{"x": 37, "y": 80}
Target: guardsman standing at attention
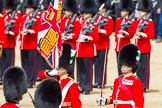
{"x": 69, "y": 24}
{"x": 28, "y": 38}
{"x": 123, "y": 33}
{"x": 86, "y": 45}
{"x": 142, "y": 39}
{"x": 103, "y": 44}
{"x": 9, "y": 33}
{"x": 128, "y": 89}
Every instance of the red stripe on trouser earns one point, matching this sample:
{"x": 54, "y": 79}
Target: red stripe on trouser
{"x": 91, "y": 73}
{"x": 35, "y": 67}
{"x": 147, "y": 71}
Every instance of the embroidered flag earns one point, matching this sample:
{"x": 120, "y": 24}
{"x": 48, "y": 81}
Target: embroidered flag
{"x": 48, "y": 35}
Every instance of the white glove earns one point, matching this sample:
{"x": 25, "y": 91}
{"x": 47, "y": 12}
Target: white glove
{"x": 72, "y": 56}
{"x": 143, "y": 34}
{"x": 10, "y": 33}
{"x": 84, "y": 38}
{"x": 53, "y": 72}
{"x": 24, "y": 32}
{"x": 120, "y": 36}
{"x": 30, "y": 31}
{"x": 139, "y": 35}
{"x": 68, "y": 36}
{"x": 123, "y": 32}
{"x": 102, "y": 31}
{"x": 101, "y": 101}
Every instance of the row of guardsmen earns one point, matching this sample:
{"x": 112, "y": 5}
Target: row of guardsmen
{"x": 87, "y": 33}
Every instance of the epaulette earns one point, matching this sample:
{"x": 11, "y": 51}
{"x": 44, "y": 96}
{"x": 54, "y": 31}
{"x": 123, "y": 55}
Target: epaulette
{"x": 19, "y": 11}
{"x": 37, "y": 16}
{"x": 24, "y": 16}
{"x": 133, "y": 19}
{"x": 118, "y": 18}
{"x": 150, "y": 19}
{"x": 110, "y": 17}
{"x": 77, "y": 19}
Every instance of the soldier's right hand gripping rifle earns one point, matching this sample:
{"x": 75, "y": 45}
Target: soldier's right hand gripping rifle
{"x": 32, "y": 21}
{"x": 104, "y": 22}
{"x": 87, "y": 28}
{"x": 125, "y": 25}
{"x": 11, "y": 23}
{"x": 69, "y": 27}
{"x": 142, "y": 25}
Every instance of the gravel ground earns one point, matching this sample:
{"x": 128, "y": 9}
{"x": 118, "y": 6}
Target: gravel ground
{"x": 153, "y": 98}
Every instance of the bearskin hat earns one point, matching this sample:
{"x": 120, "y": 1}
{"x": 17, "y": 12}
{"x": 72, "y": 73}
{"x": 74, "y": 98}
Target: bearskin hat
{"x": 11, "y": 4}
{"x": 144, "y": 5}
{"x": 70, "y": 5}
{"x": 88, "y": 6}
{"x": 129, "y": 55}
{"x": 107, "y": 3}
{"x": 1, "y": 6}
{"x": 64, "y": 60}
{"x": 31, "y": 3}
{"x": 15, "y": 83}
{"x": 48, "y": 94}
{"x": 126, "y": 5}
{"x": 46, "y": 3}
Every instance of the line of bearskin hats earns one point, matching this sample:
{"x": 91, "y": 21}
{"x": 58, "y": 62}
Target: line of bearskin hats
{"x": 14, "y": 83}
{"x": 126, "y": 5}
{"x": 64, "y": 60}
{"x": 87, "y": 6}
{"x": 48, "y": 94}
{"x": 144, "y": 5}
{"x": 107, "y": 3}
{"x": 31, "y": 3}
{"x": 129, "y": 55}
{"x": 10, "y": 4}
{"x": 70, "y": 5}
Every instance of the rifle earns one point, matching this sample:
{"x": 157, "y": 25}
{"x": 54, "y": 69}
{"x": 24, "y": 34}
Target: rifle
{"x": 104, "y": 22}
{"x": 127, "y": 24}
{"x": 10, "y": 24}
{"x": 143, "y": 24}
{"x": 88, "y": 27}
{"x": 68, "y": 28}
{"x": 32, "y": 22}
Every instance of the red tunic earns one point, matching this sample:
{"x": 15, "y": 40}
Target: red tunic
{"x": 2, "y": 28}
{"x": 126, "y": 89}
{"x": 10, "y": 41}
{"x": 88, "y": 49}
{"x": 104, "y": 40}
{"x": 72, "y": 94}
{"x": 10, "y": 105}
{"x": 143, "y": 43}
{"x": 120, "y": 42}
{"x": 64, "y": 21}
{"x": 29, "y": 41}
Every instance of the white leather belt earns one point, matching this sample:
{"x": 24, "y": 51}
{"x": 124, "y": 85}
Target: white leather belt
{"x": 124, "y": 102}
